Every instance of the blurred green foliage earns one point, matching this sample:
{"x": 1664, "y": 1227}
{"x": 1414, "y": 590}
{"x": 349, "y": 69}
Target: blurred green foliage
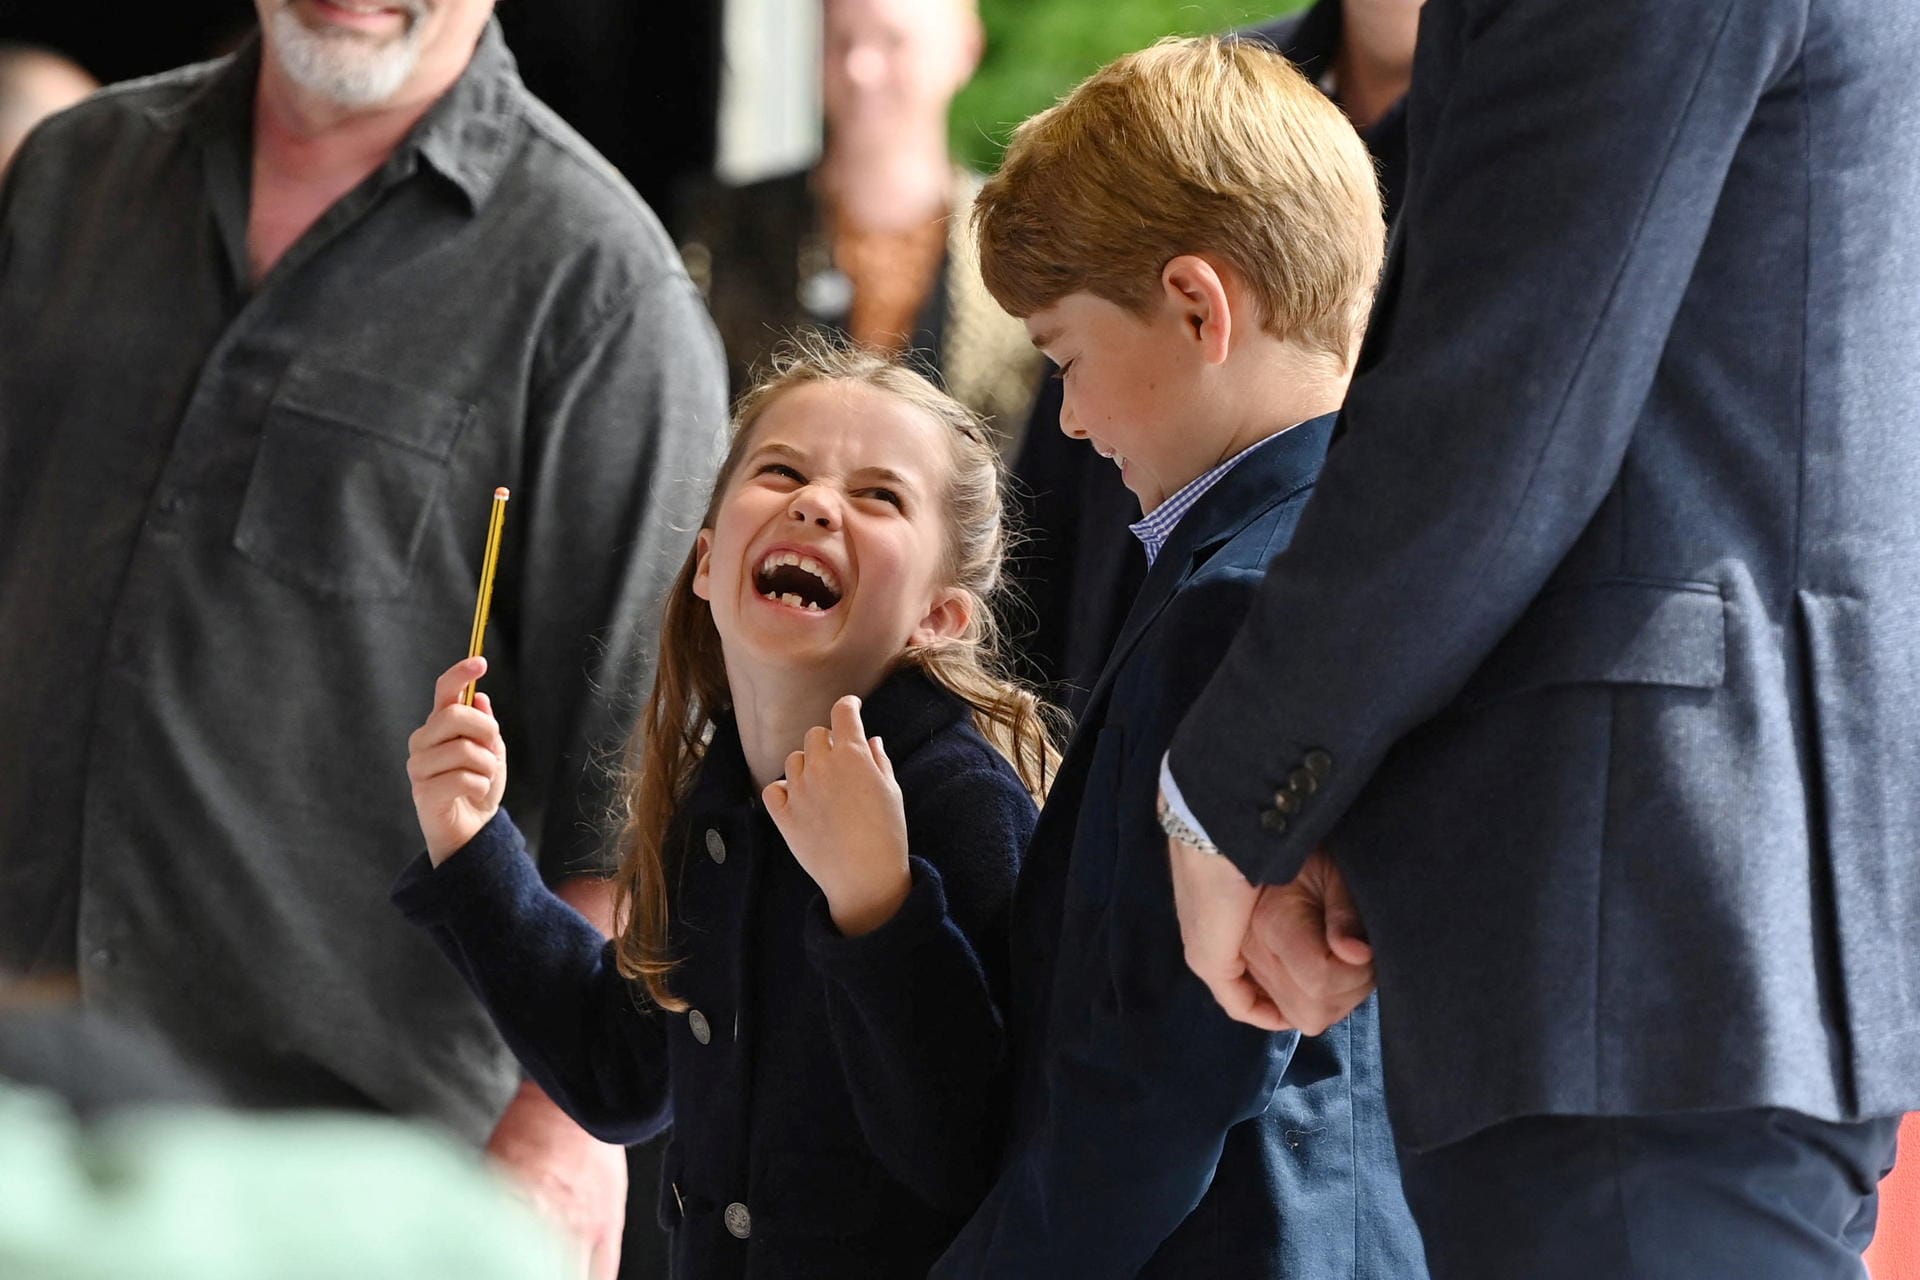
{"x": 1038, "y": 49}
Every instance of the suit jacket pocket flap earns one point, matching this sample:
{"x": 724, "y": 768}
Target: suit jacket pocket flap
{"x": 1611, "y": 631}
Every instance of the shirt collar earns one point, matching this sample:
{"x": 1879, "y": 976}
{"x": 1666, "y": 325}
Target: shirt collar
{"x": 1154, "y": 528}
{"x": 466, "y": 136}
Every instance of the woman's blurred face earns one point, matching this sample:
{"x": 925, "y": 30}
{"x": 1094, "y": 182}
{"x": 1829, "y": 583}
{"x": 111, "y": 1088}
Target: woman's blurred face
{"x": 894, "y": 65}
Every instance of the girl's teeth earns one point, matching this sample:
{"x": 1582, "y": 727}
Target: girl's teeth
{"x": 792, "y": 599}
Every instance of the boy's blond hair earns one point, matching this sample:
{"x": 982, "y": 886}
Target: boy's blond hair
{"x": 1212, "y": 146}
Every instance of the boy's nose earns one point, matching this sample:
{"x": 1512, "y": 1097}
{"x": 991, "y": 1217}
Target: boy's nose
{"x": 1068, "y": 425}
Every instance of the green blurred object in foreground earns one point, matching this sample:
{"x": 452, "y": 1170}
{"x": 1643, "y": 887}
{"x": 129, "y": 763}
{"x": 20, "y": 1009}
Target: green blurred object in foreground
{"x": 1038, "y": 49}
{"x": 176, "y": 1193}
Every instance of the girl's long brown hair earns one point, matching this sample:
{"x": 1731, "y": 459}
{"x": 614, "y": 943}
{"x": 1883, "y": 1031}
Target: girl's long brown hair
{"x": 690, "y": 681}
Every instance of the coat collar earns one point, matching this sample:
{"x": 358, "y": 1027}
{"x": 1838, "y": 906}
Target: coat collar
{"x": 906, "y": 711}
{"x": 1272, "y": 473}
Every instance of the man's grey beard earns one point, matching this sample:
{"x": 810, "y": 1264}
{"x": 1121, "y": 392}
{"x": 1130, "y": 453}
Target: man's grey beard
{"x": 343, "y": 68}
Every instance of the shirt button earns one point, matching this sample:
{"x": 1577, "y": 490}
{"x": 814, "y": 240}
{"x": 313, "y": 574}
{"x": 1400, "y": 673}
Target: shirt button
{"x": 716, "y": 847}
{"x": 697, "y": 1023}
{"x": 739, "y": 1221}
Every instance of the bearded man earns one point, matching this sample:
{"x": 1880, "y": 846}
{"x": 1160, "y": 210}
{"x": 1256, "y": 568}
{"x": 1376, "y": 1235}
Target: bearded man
{"x": 271, "y": 330}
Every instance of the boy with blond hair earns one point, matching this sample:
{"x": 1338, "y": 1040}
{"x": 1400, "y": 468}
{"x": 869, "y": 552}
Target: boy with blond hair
{"x": 1193, "y": 236}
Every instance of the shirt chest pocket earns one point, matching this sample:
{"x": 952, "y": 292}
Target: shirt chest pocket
{"x": 348, "y": 470}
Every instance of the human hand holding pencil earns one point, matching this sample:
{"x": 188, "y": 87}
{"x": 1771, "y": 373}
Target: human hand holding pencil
{"x": 457, "y": 759}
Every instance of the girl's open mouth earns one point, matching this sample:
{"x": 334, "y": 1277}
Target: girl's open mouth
{"x": 798, "y": 581}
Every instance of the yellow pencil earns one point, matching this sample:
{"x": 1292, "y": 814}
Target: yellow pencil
{"x": 488, "y": 564}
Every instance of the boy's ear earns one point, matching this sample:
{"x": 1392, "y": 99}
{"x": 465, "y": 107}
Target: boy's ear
{"x": 948, "y": 619}
{"x": 703, "y": 565}
{"x": 1196, "y": 291}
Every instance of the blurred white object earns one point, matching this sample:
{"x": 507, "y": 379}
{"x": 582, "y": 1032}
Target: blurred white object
{"x": 769, "y": 89}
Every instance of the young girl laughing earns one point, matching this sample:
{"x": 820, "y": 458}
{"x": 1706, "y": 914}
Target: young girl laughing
{"x": 830, "y": 791}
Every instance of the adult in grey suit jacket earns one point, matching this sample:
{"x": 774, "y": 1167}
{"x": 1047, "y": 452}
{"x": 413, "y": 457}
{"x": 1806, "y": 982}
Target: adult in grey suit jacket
{"x": 1595, "y": 663}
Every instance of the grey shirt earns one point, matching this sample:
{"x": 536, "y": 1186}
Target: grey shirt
{"x": 240, "y": 531}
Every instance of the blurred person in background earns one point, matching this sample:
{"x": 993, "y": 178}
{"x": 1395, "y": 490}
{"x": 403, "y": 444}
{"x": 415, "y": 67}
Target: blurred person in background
{"x": 872, "y": 241}
{"x": 326, "y": 294}
{"x": 34, "y": 84}
{"x": 1078, "y": 577}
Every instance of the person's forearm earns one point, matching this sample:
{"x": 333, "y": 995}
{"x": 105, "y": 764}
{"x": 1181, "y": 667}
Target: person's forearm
{"x": 1373, "y": 67}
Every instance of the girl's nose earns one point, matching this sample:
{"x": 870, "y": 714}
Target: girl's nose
{"x": 1068, "y": 424}
{"x": 811, "y": 506}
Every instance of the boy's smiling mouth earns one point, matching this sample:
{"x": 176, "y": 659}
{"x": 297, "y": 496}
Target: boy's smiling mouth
{"x": 797, "y": 580}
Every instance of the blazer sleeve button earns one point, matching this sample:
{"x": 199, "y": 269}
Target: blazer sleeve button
{"x": 1273, "y": 820}
{"x": 1319, "y": 763}
{"x": 1302, "y": 783}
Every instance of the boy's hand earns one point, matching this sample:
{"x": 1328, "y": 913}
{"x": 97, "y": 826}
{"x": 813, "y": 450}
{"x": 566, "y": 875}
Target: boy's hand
{"x": 840, "y": 812}
{"x": 458, "y": 763}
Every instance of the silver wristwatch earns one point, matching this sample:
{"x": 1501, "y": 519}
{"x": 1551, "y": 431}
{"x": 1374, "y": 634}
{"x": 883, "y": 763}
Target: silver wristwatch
{"x": 1175, "y": 826}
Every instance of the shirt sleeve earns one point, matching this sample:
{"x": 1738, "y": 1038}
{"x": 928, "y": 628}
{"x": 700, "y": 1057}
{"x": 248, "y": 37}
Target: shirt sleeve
{"x": 624, "y": 432}
{"x": 914, "y": 1007}
{"x": 548, "y": 979}
{"x": 1563, "y": 197}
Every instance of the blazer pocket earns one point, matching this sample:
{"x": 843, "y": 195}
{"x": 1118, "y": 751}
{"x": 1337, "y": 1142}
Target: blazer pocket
{"x": 1649, "y": 631}
{"x": 347, "y": 470}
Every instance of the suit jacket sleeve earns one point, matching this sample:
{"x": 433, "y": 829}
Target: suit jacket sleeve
{"x": 914, "y": 1007}
{"x": 1140, "y": 1097}
{"x": 1564, "y": 193}
{"x": 586, "y": 1035}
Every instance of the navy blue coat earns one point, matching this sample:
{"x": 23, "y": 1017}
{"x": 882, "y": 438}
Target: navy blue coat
{"x": 1606, "y": 611}
{"x": 837, "y": 1104}
{"x": 1153, "y": 1134}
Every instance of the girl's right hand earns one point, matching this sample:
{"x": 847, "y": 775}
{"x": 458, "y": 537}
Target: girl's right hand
{"x": 458, "y": 763}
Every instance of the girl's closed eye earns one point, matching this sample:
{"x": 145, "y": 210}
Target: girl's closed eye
{"x": 888, "y": 496}
{"x": 782, "y": 470}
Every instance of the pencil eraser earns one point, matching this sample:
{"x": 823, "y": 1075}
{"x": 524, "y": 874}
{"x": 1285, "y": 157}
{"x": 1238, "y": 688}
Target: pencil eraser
{"x": 501, "y": 492}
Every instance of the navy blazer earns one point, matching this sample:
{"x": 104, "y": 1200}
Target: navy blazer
{"x": 1153, "y": 1134}
{"x": 1604, "y": 615}
{"x": 837, "y": 1103}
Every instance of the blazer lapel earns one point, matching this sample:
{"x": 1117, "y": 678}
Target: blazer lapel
{"x": 1269, "y": 476}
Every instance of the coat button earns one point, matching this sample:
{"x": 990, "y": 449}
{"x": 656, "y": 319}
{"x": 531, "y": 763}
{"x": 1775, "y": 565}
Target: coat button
{"x": 1302, "y": 783}
{"x": 716, "y": 847}
{"x": 1273, "y": 820}
{"x": 697, "y": 1023}
{"x": 739, "y": 1221}
{"x": 1318, "y": 763}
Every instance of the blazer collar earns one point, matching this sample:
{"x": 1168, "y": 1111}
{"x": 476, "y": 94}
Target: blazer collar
{"x": 1271, "y": 474}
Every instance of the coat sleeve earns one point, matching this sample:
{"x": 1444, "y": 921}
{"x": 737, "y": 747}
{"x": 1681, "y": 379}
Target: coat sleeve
{"x": 586, "y": 1036}
{"x": 1143, "y": 1088}
{"x": 915, "y": 1007}
{"x": 1562, "y": 199}
{"x": 624, "y": 430}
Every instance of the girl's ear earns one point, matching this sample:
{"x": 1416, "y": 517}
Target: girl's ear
{"x": 948, "y": 619}
{"x": 702, "y": 565}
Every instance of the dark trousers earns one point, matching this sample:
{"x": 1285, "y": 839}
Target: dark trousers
{"x": 1738, "y": 1195}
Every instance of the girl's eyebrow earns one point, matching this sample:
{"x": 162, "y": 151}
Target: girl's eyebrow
{"x": 774, "y": 446}
{"x": 885, "y": 475}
